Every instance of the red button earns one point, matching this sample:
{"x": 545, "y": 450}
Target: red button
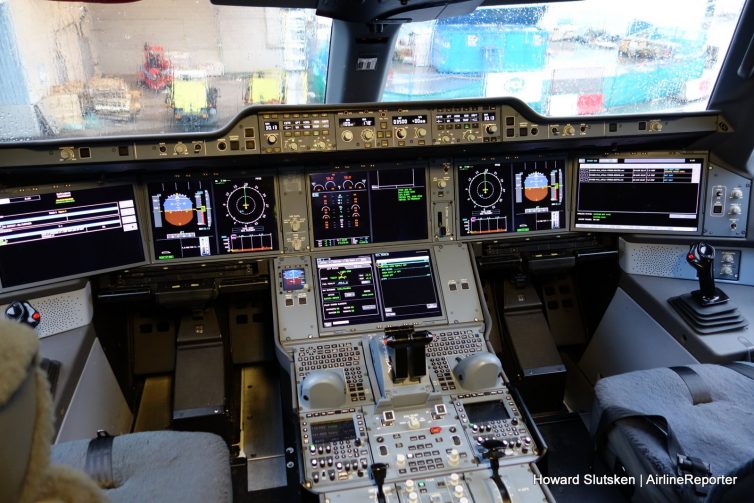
{"x": 435, "y": 430}
{"x": 35, "y": 316}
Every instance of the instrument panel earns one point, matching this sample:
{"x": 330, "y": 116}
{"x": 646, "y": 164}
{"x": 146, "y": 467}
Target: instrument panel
{"x": 216, "y": 215}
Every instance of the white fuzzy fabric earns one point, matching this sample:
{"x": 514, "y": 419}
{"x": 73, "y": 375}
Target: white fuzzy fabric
{"x": 18, "y": 348}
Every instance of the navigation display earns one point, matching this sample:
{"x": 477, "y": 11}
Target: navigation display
{"x": 362, "y": 207}
{"x": 498, "y": 196}
{"x": 639, "y": 194}
{"x": 380, "y": 287}
{"x": 208, "y": 217}
{"x": 51, "y": 235}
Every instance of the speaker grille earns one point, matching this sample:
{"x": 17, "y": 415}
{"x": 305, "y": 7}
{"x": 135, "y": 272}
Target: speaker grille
{"x": 650, "y": 259}
{"x": 63, "y": 311}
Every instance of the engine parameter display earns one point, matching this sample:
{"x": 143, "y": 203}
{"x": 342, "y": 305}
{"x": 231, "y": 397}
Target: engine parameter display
{"x": 511, "y": 195}
{"x": 362, "y": 207}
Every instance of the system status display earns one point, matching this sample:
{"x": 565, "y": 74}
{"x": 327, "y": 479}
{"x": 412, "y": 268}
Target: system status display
{"x": 383, "y": 287}
{"x": 518, "y": 195}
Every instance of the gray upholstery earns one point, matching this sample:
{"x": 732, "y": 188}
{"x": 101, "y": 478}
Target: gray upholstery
{"x": 720, "y": 432}
{"x": 161, "y": 466}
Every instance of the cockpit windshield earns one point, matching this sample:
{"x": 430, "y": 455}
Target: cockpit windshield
{"x": 70, "y": 69}
{"x": 571, "y": 58}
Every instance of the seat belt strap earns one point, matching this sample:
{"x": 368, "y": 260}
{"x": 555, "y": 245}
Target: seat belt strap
{"x": 99, "y": 460}
{"x": 742, "y": 368}
{"x": 684, "y": 463}
{"x": 700, "y": 392}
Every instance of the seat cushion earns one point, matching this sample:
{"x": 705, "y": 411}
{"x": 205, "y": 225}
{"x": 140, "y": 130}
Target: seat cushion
{"x": 161, "y": 466}
{"x": 720, "y": 432}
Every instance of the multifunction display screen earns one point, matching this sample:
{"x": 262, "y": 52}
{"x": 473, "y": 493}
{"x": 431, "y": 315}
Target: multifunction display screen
{"x": 498, "y": 196}
{"x": 380, "y": 287}
{"x": 333, "y": 431}
{"x": 362, "y": 207}
{"x": 484, "y": 412}
{"x": 207, "y": 217}
{"x": 52, "y": 235}
{"x": 639, "y": 194}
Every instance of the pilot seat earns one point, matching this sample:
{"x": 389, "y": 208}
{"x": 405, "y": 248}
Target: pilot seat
{"x": 149, "y": 466}
{"x": 680, "y": 433}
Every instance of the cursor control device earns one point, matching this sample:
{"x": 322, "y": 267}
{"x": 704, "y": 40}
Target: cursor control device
{"x": 701, "y": 256}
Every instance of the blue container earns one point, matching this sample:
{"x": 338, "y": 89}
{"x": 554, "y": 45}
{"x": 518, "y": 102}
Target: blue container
{"x": 488, "y": 48}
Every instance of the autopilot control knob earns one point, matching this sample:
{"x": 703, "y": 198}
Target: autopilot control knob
{"x": 323, "y": 389}
{"x": 469, "y": 136}
{"x": 347, "y": 135}
{"x": 569, "y": 130}
{"x": 22, "y": 311}
{"x": 478, "y": 371}
{"x": 736, "y": 193}
{"x": 442, "y": 183}
{"x": 421, "y": 132}
{"x": 401, "y": 133}
{"x": 272, "y": 139}
{"x": 490, "y": 128}
{"x": 414, "y": 423}
{"x": 367, "y": 135}
{"x": 734, "y": 209}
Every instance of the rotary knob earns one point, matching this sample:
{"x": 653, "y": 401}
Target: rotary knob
{"x": 442, "y": 183}
{"x": 400, "y": 460}
{"x": 453, "y": 457}
{"x": 569, "y": 130}
{"x": 180, "y": 148}
{"x": 655, "y": 126}
{"x": 293, "y": 145}
{"x": 401, "y": 133}
{"x": 469, "y": 136}
{"x": 454, "y": 479}
{"x": 735, "y": 209}
{"x": 319, "y": 145}
{"x": 414, "y": 423}
{"x": 421, "y": 132}
{"x": 367, "y": 135}
{"x": 726, "y": 270}
{"x": 347, "y": 135}
{"x": 491, "y": 128}
{"x": 272, "y": 139}
{"x": 736, "y": 193}
{"x": 445, "y": 138}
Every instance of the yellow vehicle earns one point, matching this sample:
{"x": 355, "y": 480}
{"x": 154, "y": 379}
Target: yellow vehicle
{"x": 266, "y": 87}
{"x": 192, "y": 100}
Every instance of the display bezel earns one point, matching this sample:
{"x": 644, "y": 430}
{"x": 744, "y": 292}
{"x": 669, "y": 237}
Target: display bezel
{"x": 368, "y": 167}
{"x": 567, "y": 177}
{"x": 47, "y": 189}
{"x": 371, "y": 327}
{"x": 640, "y": 155}
{"x": 232, "y": 175}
